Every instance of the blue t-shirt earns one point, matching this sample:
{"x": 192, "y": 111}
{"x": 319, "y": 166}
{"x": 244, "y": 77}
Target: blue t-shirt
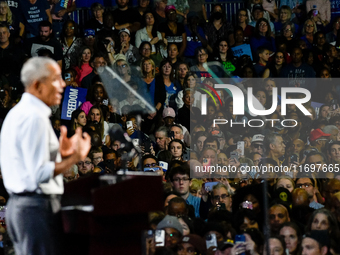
{"x": 192, "y": 42}
{"x": 170, "y": 91}
{"x": 33, "y": 14}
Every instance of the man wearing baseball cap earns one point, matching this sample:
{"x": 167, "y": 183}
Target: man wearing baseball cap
{"x": 318, "y": 139}
{"x": 257, "y": 144}
{"x": 173, "y": 231}
{"x": 316, "y": 242}
{"x": 130, "y": 52}
{"x": 192, "y": 244}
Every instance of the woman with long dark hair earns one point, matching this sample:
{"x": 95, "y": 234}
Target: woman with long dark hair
{"x": 262, "y": 37}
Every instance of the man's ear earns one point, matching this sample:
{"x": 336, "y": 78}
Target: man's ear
{"x": 324, "y": 250}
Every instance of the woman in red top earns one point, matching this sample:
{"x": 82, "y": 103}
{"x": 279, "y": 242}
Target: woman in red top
{"x": 83, "y": 67}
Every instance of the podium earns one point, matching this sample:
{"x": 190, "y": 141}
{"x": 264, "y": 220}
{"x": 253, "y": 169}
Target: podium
{"x": 107, "y": 214}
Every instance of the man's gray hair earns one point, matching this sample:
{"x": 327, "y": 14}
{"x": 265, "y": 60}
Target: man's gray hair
{"x": 221, "y": 185}
{"x": 329, "y": 128}
{"x": 268, "y": 140}
{"x": 36, "y": 69}
{"x": 163, "y": 129}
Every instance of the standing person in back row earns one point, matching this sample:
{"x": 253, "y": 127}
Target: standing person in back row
{"x": 32, "y": 160}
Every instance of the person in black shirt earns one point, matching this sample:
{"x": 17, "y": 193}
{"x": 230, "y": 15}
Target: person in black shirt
{"x": 44, "y": 41}
{"x": 172, "y": 31}
{"x": 96, "y": 22}
{"x": 126, "y": 17}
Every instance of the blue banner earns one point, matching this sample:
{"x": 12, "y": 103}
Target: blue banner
{"x": 73, "y": 98}
{"x": 243, "y": 49}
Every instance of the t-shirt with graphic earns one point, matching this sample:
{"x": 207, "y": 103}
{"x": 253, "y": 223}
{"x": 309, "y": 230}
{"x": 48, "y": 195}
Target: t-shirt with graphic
{"x": 193, "y": 41}
{"x": 33, "y": 14}
{"x": 170, "y": 36}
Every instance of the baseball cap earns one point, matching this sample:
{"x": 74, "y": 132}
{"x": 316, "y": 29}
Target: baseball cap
{"x": 316, "y": 134}
{"x": 170, "y": 222}
{"x": 225, "y": 244}
{"x": 321, "y": 236}
{"x": 124, "y": 30}
{"x": 169, "y": 112}
{"x": 196, "y": 241}
{"x": 169, "y": 8}
{"x": 258, "y": 7}
{"x": 89, "y": 32}
{"x": 257, "y": 138}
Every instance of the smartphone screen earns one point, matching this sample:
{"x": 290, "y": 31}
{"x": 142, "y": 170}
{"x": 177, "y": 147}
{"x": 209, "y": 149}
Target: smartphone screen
{"x": 160, "y": 237}
{"x": 240, "y": 146}
{"x": 211, "y": 240}
{"x": 129, "y": 124}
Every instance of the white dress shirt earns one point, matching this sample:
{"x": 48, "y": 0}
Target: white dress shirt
{"x": 29, "y": 149}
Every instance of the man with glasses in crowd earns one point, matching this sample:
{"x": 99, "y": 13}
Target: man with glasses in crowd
{"x": 308, "y": 184}
{"x": 221, "y": 194}
{"x": 85, "y": 167}
{"x": 180, "y": 182}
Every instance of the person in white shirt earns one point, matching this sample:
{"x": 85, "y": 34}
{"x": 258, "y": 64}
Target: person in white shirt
{"x": 32, "y": 160}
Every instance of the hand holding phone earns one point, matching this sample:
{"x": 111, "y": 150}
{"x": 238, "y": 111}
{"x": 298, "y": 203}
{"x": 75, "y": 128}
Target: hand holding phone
{"x": 211, "y": 240}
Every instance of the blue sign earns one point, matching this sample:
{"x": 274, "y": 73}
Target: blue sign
{"x": 73, "y": 98}
{"x": 243, "y": 49}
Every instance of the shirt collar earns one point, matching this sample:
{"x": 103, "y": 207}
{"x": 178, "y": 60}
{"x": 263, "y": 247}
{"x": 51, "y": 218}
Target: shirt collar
{"x": 43, "y": 108}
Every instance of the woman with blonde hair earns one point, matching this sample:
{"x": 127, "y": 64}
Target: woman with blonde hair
{"x": 308, "y": 31}
{"x": 16, "y": 28}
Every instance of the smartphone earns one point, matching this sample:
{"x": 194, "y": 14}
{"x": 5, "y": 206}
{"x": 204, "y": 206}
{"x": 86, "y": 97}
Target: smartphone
{"x": 171, "y": 134}
{"x": 334, "y": 104}
{"x": 240, "y": 239}
{"x": 160, "y": 237}
{"x": 210, "y": 240}
{"x": 147, "y": 145}
{"x": 209, "y": 185}
{"x": 67, "y": 77}
{"x": 129, "y": 124}
{"x": 164, "y": 165}
{"x": 135, "y": 142}
{"x": 105, "y": 102}
{"x": 247, "y": 205}
{"x": 315, "y": 12}
{"x": 240, "y": 146}
{"x": 234, "y": 154}
{"x": 106, "y": 41}
{"x": 293, "y": 158}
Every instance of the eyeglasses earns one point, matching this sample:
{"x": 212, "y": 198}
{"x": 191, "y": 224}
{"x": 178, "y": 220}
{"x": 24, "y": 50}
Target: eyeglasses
{"x": 122, "y": 66}
{"x": 223, "y": 196}
{"x": 181, "y": 179}
{"x": 86, "y": 163}
{"x": 89, "y": 37}
{"x": 257, "y": 146}
{"x": 279, "y": 57}
{"x": 99, "y": 158}
{"x": 72, "y": 28}
{"x": 150, "y": 165}
{"x": 306, "y": 185}
{"x": 287, "y": 30}
{"x": 309, "y": 25}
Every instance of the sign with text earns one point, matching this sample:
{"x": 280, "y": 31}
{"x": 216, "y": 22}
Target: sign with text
{"x": 73, "y": 98}
{"x": 243, "y": 49}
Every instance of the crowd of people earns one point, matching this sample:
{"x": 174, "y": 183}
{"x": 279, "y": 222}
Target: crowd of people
{"x": 172, "y": 53}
